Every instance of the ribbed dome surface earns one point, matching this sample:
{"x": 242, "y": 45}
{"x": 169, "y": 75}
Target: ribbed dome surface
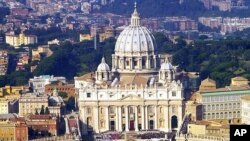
{"x": 103, "y": 66}
{"x": 135, "y": 39}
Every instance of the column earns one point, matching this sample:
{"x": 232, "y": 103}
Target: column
{"x": 96, "y": 123}
{"x": 169, "y": 116}
{"x": 142, "y": 118}
{"x": 180, "y": 117}
{"x": 140, "y": 63}
{"x": 117, "y": 121}
{"x": 131, "y": 63}
{"x": 136, "y": 118}
{"x": 107, "y": 117}
{"x": 120, "y": 118}
{"x": 127, "y": 118}
{"x": 166, "y": 118}
{"x": 155, "y": 61}
{"x": 156, "y": 118}
{"x": 146, "y": 118}
{"x": 148, "y": 63}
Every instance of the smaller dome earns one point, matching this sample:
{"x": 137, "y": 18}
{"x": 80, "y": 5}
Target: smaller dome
{"x": 167, "y": 66}
{"x": 103, "y": 66}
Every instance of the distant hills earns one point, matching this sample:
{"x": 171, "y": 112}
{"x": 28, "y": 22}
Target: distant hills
{"x": 162, "y": 8}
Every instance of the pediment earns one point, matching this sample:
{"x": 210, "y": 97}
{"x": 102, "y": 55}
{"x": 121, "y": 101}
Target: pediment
{"x": 131, "y": 98}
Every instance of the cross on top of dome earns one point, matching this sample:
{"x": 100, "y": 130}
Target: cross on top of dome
{"x": 135, "y": 18}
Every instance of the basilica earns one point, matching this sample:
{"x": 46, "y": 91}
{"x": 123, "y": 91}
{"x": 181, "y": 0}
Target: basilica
{"x": 139, "y": 92}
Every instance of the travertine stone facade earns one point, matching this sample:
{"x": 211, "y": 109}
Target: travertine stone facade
{"x": 137, "y": 93}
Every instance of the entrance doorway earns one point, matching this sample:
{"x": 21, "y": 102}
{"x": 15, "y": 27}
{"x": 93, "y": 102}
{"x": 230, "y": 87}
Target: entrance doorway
{"x": 151, "y": 124}
{"x": 174, "y": 122}
{"x": 112, "y": 125}
{"x": 132, "y": 125}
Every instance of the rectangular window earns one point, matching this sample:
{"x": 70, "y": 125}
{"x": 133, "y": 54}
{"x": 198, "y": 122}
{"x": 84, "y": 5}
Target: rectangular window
{"x": 173, "y": 93}
{"x": 88, "y": 95}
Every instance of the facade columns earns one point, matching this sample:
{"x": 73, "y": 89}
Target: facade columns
{"x": 180, "y": 117}
{"x": 120, "y": 118}
{"x": 96, "y": 123}
{"x": 127, "y": 118}
{"x": 142, "y": 118}
{"x": 140, "y": 63}
{"x": 146, "y": 118}
{"x": 131, "y": 63}
{"x": 156, "y": 118}
{"x": 117, "y": 123}
{"x": 167, "y": 117}
{"x": 136, "y": 118}
{"x": 155, "y": 61}
{"x": 107, "y": 117}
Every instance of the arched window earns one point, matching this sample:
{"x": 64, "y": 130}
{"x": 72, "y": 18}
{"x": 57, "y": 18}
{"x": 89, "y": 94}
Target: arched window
{"x": 138, "y": 109}
{"x": 209, "y": 107}
{"x": 161, "y": 110}
{"x": 217, "y": 106}
{"x": 131, "y": 109}
{"x": 150, "y": 109}
{"x": 234, "y": 114}
{"x": 221, "y": 115}
{"x": 89, "y": 110}
{"x": 217, "y": 116}
{"x": 204, "y": 116}
{"x": 213, "y": 107}
{"x": 221, "y": 107}
{"x": 234, "y": 106}
{"x": 225, "y": 115}
{"x": 208, "y": 116}
{"x": 112, "y": 109}
{"x": 123, "y": 110}
{"x": 238, "y": 114}
{"x": 213, "y": 115}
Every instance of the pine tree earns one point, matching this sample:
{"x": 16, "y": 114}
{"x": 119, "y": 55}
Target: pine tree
{"x": 47, "y": 111}
{"x": 42, "y": 110}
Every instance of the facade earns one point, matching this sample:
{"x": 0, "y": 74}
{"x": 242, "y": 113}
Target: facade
{"x": 61, "y": 87}
{"x": 245, "y": 109}
{"x": 21, "y": 39}
{"x": 4, "y": 106}
{"x": 208, "y": 129}
{"x": 30, "y": 103}
{"x": 4, "y": 61}
{"x": 137, "y": 93}
{"x": 43, "y": 123}
{"x": 37, "y": 84}
{"x": 16, "y": 128}
{"x": 223, "y": 103}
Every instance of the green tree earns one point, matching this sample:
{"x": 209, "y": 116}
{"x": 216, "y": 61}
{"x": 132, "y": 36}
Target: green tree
{"x": 70, "y": 104}
{"x": 63, "y": 94}
{"x": 47, "y": 111}
{"x": 42, "y": 112}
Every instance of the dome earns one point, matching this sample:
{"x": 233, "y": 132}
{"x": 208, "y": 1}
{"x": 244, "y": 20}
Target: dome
{"x": 167, "y": 66}
{"x": 135, "y": 39}
{"x": 103, "y": 66}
